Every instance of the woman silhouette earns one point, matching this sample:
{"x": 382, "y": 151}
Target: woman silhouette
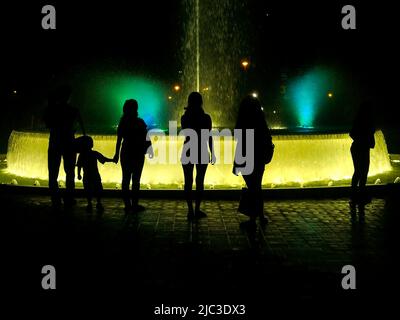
{"x": 197, "y": 121}
{"x": 251, "y": 116}
{"x": 362, "y": 134}
{"x": 132, "y": 133}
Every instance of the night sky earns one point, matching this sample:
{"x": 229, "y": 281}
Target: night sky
{"x": 146, "y": 36}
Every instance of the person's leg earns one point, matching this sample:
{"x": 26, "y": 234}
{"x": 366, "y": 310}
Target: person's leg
{"x": 53, "y": 163}
{"x": 251, "y": 182}
{"x": 200, "y": 175}
{"x": 98, "y": 193}
{"x": 259, "y": 201}
{"x": 88, "y": 193}
{"x": 69, "y": 157}
{"x": 250, "y": 225}
{"x": 363, "y": 172}
{"x": 126, "y": 179}
{"x": 356, "y": 176}
{"x": 188, "y": 176}
{"x": 137, "y": 169}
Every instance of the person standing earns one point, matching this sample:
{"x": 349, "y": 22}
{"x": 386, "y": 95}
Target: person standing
{"x": 195, "y": 120}
{"x": 362, "y": 133}
{"x": 132, "y": 134}
{"x": 87, "y": 161}
{"x": 61, "y": 119}
{"x": 251, "y": 117}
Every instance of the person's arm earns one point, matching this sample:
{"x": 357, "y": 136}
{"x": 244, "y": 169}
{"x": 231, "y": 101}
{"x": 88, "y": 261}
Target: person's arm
{"x": 79, "y": 164}
{"x": 117, "y": 149}
{"x": 213, "y": 159}
{"x": 108, "y": 159}
{"x": 149, "y": 147}
{"x": 119, "y": 141}
{"x": 102, "y": 159}
{"x": 147, "y": 143}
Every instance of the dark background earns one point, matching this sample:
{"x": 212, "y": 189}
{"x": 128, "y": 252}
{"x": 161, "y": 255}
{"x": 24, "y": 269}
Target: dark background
{"x": 146, "y": 35}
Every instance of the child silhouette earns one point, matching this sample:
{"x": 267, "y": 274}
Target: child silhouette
{"x": 91, "y": 177}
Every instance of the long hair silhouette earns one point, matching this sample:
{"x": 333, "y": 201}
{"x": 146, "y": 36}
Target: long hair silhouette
{"x": 195, "y": 104}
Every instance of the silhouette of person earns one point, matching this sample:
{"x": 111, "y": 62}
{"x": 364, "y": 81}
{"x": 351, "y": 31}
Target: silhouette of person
{"x": 251, "y": 116}
{"x": 61, "y": 118}
{"x": 132, "y": 133}
{"x": 197, "y": 120}
{"x": 362, "y": 133}
{"x": 87, "y": 161}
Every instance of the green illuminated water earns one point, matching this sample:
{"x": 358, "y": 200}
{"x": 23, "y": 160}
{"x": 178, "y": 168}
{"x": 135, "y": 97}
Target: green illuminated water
{"x": 106, "y": 92}
{"x": 311, "y": 94}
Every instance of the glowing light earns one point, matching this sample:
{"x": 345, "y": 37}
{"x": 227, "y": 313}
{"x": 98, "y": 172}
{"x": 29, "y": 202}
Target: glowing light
{"x": 113, "y": 88}
{"x": 254, "y": 95}
{"x": 15, "y": 91}
{"x": 307, "y": 93}
{"x": 278, "y": 127}
{"x": 177, "y": 87}
{"x": 330, "y": 95}
{"x": 206, "y": 89}
{"x": 245, "y": 64}
{"x": 318, "y": 158}
{"x": 274, "y": 112}
{"x": 169, "y": 98}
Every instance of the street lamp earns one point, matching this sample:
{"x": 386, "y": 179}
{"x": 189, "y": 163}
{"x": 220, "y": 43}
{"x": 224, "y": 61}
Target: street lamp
{"x": 245, "y": 64}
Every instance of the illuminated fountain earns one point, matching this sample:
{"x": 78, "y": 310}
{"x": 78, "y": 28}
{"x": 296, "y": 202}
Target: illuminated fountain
{"x": 298, "y": 159}
{"x": 215, "y": 40}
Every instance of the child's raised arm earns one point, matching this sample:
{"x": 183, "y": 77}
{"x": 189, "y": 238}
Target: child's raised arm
{"x": 102, "y": 159}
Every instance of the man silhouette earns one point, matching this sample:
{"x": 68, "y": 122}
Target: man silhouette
{"x": 60, "y": 117}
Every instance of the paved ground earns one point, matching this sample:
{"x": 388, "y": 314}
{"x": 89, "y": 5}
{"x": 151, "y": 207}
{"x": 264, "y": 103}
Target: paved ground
{"x": 161, "y": 257}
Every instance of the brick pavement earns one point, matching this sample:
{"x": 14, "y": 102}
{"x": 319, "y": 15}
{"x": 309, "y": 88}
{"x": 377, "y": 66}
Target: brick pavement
{"x": 298, "y": 255}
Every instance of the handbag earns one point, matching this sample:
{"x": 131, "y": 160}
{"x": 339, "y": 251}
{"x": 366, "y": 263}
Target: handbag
{"x": 269, "y": 153}
{"x": 244, "y": 203}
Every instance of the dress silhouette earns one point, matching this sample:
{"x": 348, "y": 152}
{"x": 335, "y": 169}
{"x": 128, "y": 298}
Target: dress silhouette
{"x": 196, "y": 120}
{"x": 362, "y": 134}
{"x": 251, "y": 116}
{"x": 87, "y": 161}
{"x": 132, "y": 133}
{"x": 61, "y": 118}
